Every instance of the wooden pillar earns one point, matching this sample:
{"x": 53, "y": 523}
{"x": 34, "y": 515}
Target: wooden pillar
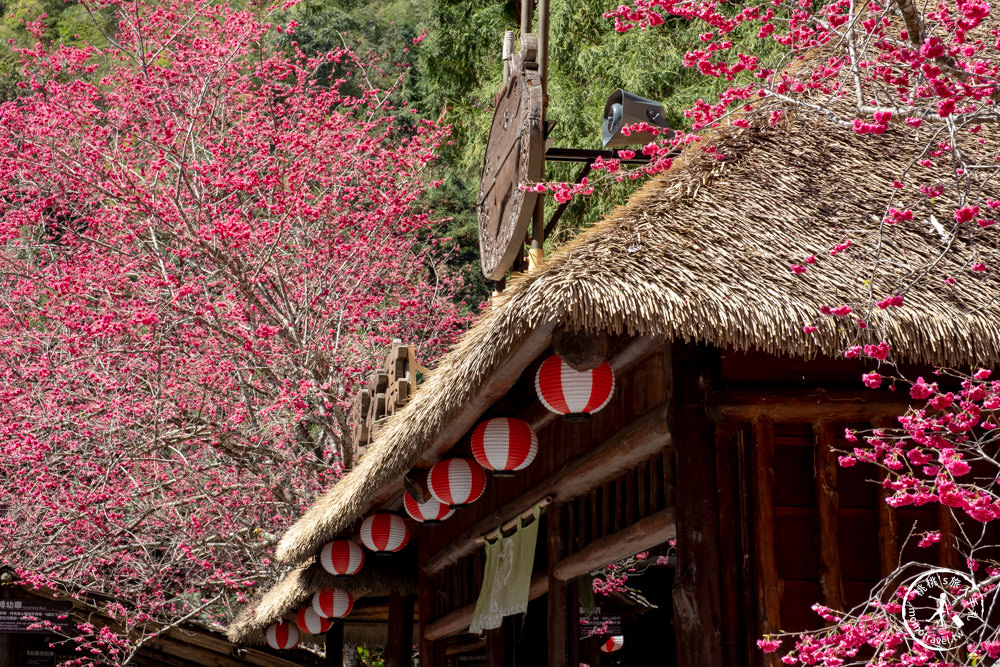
{"x": 495, "y": 646}
{"x": 888, "y": 524}
{"x": 557, "y": 589}
{"x": 769, "y": 584}
{"x": 335, "y": 645}
{"x": 950, "y": 556}
{"x": 400, "y": 629}
{"x": 696, "y": 591}
{"x": 425, "y": 613}
{"x": 573, "y": 622}
{"x": 731, "y": 553}
{"x": 828, "y": 506}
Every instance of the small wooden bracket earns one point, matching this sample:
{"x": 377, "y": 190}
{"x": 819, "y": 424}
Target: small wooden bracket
{"x": 388, "y": 390}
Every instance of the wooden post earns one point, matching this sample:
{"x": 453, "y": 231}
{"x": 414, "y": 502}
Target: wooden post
{"x": 888, "y": 524}
{"x": 425, "y": 596}
{"x": 828, "y": 505}
{"x": 769, "y": 584}
{"x": 6, "y": 649}
{"x": 495, "y": 646}
{"x": 335, "y": 645}
{"x": 950, "y": 557}
{"x": 557, "y": 589}
{"x": 731, "y": 553}
{"x": 697, "y": 614}
{"x": 400, "y": 629}
{"x": 573, "y": 622}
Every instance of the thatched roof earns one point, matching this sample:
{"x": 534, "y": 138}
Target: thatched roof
{"x": 702, "y": 253}
{"x": 377, "y": 578}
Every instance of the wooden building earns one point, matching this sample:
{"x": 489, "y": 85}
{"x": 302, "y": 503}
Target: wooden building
{"x": 723, "y": 425}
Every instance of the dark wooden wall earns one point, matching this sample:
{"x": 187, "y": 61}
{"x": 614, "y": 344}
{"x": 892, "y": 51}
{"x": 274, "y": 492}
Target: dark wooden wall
{"x": 797, "y": 528}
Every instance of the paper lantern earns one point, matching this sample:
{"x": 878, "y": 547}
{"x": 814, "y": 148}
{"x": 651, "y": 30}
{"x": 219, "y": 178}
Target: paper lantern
{"x": 430, "y": 513}
{"x": 613, "y": 644}
{"x": 282, "y": 635}
{"x": 384, "y": 532}
{"x": 312, "y": 622}
{"x": 504, "y": 444}
{"x": 575, "y": 394}
{"x": 332, "y": 603}
{"x": 456, "y": 482}
{"x": 342, "y": 557}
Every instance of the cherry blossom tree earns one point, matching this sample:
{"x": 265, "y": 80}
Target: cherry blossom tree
{"x": 206, "y": 246}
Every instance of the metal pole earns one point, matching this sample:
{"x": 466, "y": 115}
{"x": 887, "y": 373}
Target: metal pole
{"x": 537, "y": 252}
{"x": 527, "y": 7}
{"x": 543, "y": 48}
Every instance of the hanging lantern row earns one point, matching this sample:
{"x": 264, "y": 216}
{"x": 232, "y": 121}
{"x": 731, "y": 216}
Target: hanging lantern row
{"x": 384, "y": 532}
{"x": 456, "y": 482}
{"x": 332, "y": 603}
{"x": 311, "y": 622}
{"x": 574, "y": 394}
{"x": 282, "y": 635}
{"x": 430, "y": 513}
{"x": 504, "y": 445}
{"x": 342, "y": 557}
{"x": 613, "y": 644}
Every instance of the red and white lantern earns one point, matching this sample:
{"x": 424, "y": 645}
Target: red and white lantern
{"x": 613, "y": 644}
{"x": 342, "y": 557}
{"x": 312, "y": 622}
{"x": 504, "y": 444}
{"x": 282, "y": 635}
{"x": 430, "y": 513}
{"x": 384, "y": 532}
{"x": 332, "y": 603}
{"x": 456, "y": 482}
{"x": 575, "y": 394}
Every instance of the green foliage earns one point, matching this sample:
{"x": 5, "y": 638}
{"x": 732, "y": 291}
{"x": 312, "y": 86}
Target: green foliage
{"x": 68, "y": 22}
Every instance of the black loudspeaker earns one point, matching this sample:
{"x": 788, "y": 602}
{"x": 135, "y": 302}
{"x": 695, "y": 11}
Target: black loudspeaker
{"x": 623, "y": 109}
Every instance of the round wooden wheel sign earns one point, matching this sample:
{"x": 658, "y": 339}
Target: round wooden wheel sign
{"x": 515, "y": 153}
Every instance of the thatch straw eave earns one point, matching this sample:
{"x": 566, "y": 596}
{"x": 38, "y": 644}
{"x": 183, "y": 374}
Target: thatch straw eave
{"x": 702, "y": 253}
{"x": 297, "y": 587}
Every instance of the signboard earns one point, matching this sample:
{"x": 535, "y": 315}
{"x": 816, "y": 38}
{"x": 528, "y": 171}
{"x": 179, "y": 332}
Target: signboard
{"x": 18, "y": 615}
{"x": 599, "y": 623}
{"x": 515, "y": 154}
{"x": 39, "y": 658}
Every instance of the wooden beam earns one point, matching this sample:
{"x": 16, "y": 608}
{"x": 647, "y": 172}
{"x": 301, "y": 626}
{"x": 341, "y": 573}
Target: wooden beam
{"x": 625, "y": 449}
{"x": 804, "y": 406}
{"x": 557, "y": 624}
{"x": 644, "y": 534}
{"x": 696, "y": 593}
{"x": 828, "y": 506}
{"x": 769, "y": 584}
{"x": 459, "y": 620}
